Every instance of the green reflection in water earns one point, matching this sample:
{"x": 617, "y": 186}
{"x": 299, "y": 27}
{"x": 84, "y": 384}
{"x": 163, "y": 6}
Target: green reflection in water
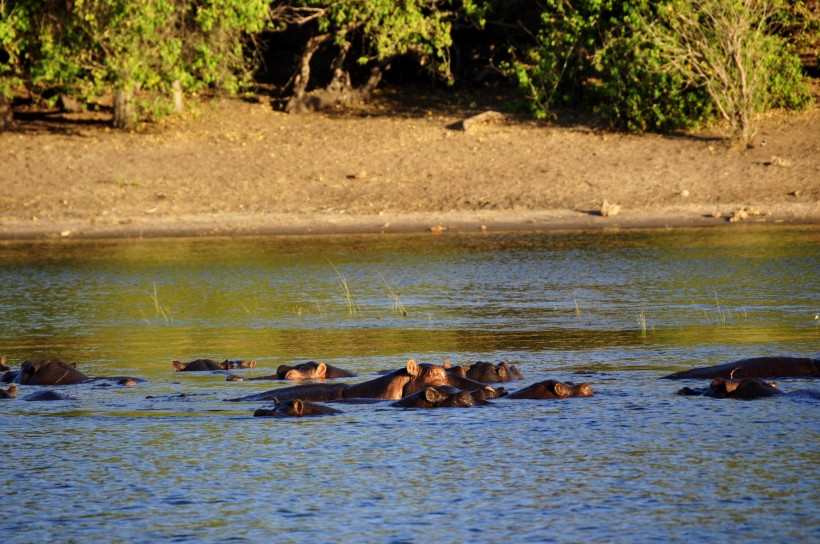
{"x": 138, "y": 304}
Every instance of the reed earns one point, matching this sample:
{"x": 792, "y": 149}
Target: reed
{"x": 398, "y": 307}
{"x": 161, "y": 309}
{"x": 642, "y": 322}
{"x": 352, "y": 307}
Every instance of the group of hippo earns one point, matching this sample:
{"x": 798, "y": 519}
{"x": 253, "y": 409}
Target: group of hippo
{"x": 416, "y": 385}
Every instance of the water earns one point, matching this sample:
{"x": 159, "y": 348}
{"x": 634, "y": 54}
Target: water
{"x": 634, "y": 462}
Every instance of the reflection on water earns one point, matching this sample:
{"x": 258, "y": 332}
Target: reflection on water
{"x": 624, "y": 307}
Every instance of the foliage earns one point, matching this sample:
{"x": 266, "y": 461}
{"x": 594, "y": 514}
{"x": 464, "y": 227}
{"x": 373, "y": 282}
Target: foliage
{"x": 386, "y": 28}
{"x": 726, "y": 47}
{"x": 93, "y": 47}
{"x": 639, "y": 64}
{"x": 614, "y": 58}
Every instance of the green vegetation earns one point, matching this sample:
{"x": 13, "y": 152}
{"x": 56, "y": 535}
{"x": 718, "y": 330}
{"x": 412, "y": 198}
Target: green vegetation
{"x": 663, "y": 65}
{"x": 638, "y": 65}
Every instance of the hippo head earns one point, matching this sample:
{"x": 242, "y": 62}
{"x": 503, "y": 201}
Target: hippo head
{"x": 744, "y": 388}
{"x": 49, "y": 372}
{"x": 8, "y": 393}
{"x": 427, "y": 375}
{"x": 306, "y": 371}
{"x": 227, "y": 364}
{"x": 553, "y": 389}
{"x": 295, "y": 408}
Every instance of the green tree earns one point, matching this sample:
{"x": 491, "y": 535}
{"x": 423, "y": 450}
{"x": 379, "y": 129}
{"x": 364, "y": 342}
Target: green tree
{"x": 387, "y": 28}
{"x": 161, "y": 48}
{"x": 728, "y": 48}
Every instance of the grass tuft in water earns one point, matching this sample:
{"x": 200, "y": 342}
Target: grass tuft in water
{"x": 161, "y": 310}
{"x": 352, "y": 307}
{"x": 398, "y": 307}
{"x": 642, "y": 322}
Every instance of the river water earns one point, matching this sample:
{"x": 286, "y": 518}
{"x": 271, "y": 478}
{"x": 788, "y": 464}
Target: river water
{"x": 617, "y": 309}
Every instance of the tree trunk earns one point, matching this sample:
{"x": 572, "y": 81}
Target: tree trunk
{"x": 5, "y": 113}
{"x": 340, "y": 90}
{"x": 176, "y": 95}
{"x": 123, "y": 109}
{"x": 296, "y": 104}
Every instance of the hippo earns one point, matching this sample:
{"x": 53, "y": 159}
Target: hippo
{"x": 296, "y": 408}
{"x": 392, "y": 386}
{"x": 490, "y": 373}
{"x": 46, "y": 395}
{"x": 3, "y": 361}
{"x": 305, "y": 371}
{"x": 756, "y": 367}
{"x": 552, "y": 389}
{"x": 203, "y": 365}
{"x": 46, "y": 372}
{"x": 57, "y": 372}
{"x": 442, "y": 396}
{"x": 8, "y": 393}
{"x": 744, "y": 388}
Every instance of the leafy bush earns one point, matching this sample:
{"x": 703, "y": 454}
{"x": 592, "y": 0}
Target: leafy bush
{"x": 727, "y": 48}
{"x": 661, "y": 65}
{"x": 93, "y": 47}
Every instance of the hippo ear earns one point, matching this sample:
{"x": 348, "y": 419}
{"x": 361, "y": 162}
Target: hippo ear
{"x": 731, "y": 385}
{"x": 276, "y": 401}
{"x": 73, "y": 365}
{"x": 298, "y": 407}
{"x": 413, "y": 368}
{"x": 432, "y": 395}
{"x": 250, "y": 364}
{"x": 446, "y": 363}
{"x": 321, "y": 369}
{"x": 179, "y": 365}
{"x": 562, "y": 390}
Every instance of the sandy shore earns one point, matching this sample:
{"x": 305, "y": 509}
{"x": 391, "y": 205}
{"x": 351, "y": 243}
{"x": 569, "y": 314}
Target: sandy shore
{"x": 231, "y": 167}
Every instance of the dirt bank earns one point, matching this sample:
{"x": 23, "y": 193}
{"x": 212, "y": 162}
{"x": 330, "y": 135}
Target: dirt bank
{"x": 231, "y": 166}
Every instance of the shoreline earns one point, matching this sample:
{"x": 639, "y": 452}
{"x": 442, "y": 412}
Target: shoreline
{"x": 239, "y": 168}
{"x": 319, "y": 223}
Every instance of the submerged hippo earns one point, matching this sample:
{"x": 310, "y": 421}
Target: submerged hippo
{"x": 305, "y": 371}
{"x": 8, "y": 393}
{"x": 552, "y": 389}
{"x": 756, "y": 367}
{"x": 3, "y": 361}
{"x": 392, "y": 386}
{"x": 442, "y": 396}
{"x": 490, "y": 373}
{"x": 744, "y": 388}
{"x": 296, "y": 408}
{"x": 203, "y": 365}
{"x": 47, "y": 395}
{"x": 57, "y": 372}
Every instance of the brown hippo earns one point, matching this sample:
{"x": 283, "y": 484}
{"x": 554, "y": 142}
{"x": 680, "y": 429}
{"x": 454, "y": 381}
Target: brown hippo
{"x": 756, "y": 367}
{"x": 3, "y": 361}
{"x": 203, "y": 365}
{"x": 57, "y": 372}
{"x": 47, "y": 395}
{"x": 490, "y": 373}
{"x": 442, "y": 396}
{"x": 305, "y": 371}
{"x": 46, "y": 372}
{"x": 552, "y": 389}
{"x": 296, "y": 408}
{"x": 744, "y": 388}
{"x": 8, "y": 393}
{"x": 392, "y": 386}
